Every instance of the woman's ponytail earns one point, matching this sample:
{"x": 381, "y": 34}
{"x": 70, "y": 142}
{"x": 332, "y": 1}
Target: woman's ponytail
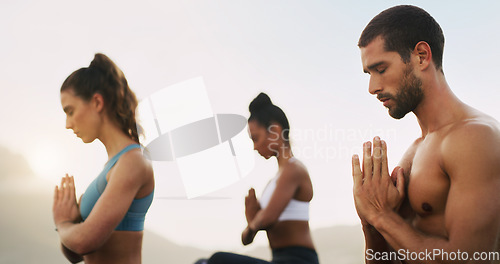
{"x": 104, "y": 77}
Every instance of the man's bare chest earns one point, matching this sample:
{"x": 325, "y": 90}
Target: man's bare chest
{"x": 427, "y": 185}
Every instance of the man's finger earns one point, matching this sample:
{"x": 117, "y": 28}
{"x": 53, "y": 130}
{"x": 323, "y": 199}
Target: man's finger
{"x": 400, "y": 184}
{"x": 377, "y": 158}
{"x": 385, "y": 166}
{"x": 367, "y": 161}
{"x": 356, "y": 171}
{"x": 394, "y": 175}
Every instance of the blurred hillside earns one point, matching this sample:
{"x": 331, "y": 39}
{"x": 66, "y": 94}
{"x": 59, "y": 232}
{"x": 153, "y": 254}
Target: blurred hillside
{"x": 13, "y": 165}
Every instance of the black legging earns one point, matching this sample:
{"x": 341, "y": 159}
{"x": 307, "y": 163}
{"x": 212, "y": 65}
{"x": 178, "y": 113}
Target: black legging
{"x": 288, "y": 255}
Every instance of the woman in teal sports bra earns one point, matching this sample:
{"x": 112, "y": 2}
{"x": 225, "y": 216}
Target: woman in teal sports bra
{"x": 106, "y": 226}
{"x": 283, "y": 208}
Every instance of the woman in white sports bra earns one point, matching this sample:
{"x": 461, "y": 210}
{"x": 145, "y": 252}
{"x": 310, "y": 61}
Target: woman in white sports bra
{"x": 283, "y": 208}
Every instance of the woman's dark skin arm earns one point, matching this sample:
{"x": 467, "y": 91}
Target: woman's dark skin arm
{"x": 252, "y": 207}
{"x": 286, "y": 188}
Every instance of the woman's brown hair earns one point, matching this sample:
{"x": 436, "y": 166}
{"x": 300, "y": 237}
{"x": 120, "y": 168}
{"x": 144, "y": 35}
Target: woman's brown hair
{"x": 104, "y": 77}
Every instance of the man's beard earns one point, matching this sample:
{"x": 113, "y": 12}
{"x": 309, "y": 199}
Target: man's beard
{"x": 409, "y": 95}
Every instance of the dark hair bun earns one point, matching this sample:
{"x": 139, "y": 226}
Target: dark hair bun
{"x": 260, "y": 102}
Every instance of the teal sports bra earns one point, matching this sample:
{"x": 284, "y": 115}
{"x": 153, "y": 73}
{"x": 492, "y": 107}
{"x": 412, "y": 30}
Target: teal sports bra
{"x": 134, "y": 219}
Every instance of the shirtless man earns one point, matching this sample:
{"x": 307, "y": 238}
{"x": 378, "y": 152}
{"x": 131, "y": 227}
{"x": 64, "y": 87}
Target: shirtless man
{"x": 441, "y": 204}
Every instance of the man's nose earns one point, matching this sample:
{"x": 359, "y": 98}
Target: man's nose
{"x": 374, "y": 86}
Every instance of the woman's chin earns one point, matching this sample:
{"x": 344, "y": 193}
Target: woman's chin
{"x": 87, "y": 140}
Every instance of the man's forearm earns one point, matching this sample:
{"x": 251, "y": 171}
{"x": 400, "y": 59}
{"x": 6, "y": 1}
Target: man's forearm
{"x": 404, "y": 238}
{"x": 375, "y": 244}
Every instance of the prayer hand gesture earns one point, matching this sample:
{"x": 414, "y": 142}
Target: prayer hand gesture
{"x": 252, "y": 206}
{"x": 65, "y": 207}
{"x": 375, "y": 191}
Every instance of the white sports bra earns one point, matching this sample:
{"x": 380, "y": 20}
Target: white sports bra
{"x": 295, "y": 210}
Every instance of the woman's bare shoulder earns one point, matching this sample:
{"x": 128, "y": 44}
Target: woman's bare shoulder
{"x": 295, "y": 169}
{"x": 134, "y": 164}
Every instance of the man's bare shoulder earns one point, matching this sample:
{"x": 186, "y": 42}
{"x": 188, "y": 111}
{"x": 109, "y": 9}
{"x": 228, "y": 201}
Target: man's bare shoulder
{"x": 472, "y": 141}
{"x": 479, "y": 128}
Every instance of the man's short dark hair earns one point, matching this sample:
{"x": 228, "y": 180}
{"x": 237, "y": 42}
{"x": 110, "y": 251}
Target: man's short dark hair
{"x": 402, "y": 27}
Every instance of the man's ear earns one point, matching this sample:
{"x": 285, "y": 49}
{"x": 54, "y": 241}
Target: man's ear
{"x": 423, "y": 53}
{"x": 98, "y": 102}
